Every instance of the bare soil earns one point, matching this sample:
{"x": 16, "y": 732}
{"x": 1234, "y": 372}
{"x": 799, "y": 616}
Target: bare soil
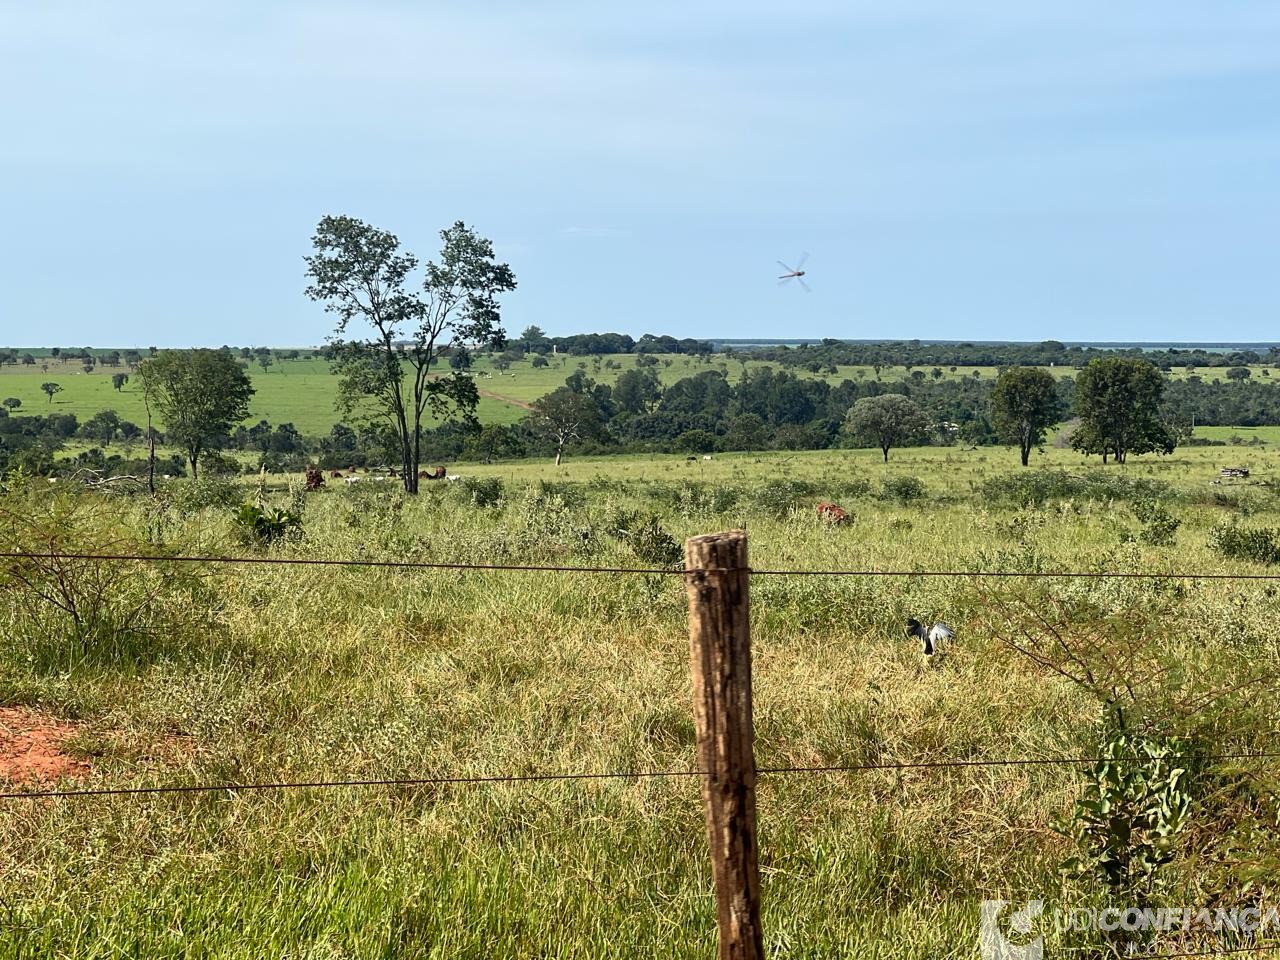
{"x": 31, "y": 747}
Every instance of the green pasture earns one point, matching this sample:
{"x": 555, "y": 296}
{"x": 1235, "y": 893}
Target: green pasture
{"x": 275, "y": 673}
{"x": 303, "y": 391}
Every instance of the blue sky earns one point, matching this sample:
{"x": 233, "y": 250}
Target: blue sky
{"x": 991, "y": 170}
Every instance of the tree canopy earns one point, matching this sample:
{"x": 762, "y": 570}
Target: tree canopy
{"x": 1024, "y": 404}
{"x": 361, "y": 275}
{"x": 1118, "y": 402}
{"x": 199, "y": 395}
{"x": 886, "y": 421}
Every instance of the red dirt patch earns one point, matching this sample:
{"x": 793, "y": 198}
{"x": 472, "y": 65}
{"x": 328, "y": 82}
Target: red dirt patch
{"x": 30, "y": 747}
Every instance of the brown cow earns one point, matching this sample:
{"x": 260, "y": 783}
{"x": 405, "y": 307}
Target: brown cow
{"x": 832, "y": 513}
{"x": 335, "y": 475}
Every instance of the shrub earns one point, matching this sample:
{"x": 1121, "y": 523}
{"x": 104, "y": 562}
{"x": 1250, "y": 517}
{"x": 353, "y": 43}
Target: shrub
{"x": 206, "y": 491}
{"x": 1159, "y": 526}
{"x": 62, "y": 609}
{"x": 902, "y": 489}
{"x": 260, "y": 526}
{"x": 653, "y": 545}
{"x": 1038, "y": 487}
{"x": 481, "y": 491}
{"x": 777, "y": 498}
{"x": 1126, "y": 824}
{"x": 1258, "y": 544}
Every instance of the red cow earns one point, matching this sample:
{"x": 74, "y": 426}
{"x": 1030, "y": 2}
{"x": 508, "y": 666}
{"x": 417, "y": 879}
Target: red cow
{"x": 832, "y": 513}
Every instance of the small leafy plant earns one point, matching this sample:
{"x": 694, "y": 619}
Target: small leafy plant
{"x": 1159, "y": 526}
{"x": 1126, "y": 824}
{"x": 261, "y": 526}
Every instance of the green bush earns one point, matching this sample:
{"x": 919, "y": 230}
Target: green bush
{"x": 1258, "y": 544}
{"x": 1126, "y": 824}
{"x": 206, "y": 491}
{"x": 480, "y": 491}
{"x": 1159, "y": 526}
{"x": 653, "y": 545}
{"x": 1035, "y": 488}
{"x": 903, "y": 489}
{"x": 260, "y": 526}
{"x": 777, "y": 498}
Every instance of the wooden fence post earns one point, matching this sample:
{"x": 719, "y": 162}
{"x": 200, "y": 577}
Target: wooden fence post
{"x": 720, "y": 664}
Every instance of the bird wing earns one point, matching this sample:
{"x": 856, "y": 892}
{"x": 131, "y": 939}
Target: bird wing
{"x": 941, "y": 631}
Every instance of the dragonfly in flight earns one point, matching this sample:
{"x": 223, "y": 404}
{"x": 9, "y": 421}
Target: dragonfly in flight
{"x": 795, "y": 273}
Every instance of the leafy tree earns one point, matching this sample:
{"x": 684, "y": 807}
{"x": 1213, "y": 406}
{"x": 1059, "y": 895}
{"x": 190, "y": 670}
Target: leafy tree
{"x": 539, "y": 361}
{"x": 199, "y": 395}
{"x": 1239, "y": 373}
{"x": 1024, "y": 405}
{"x": 493, "y": 442}
{"x": 13, "y": 403}
{"x": 460, "y": 358}
{"x": 887, "y": 421}
{"x": 637, "y": 391}
{"x": 50, "y": 389}
{"x": 1118, "y": 402}
{"x": 565, "y": 415}
{"x": 746, "y": 432}
{"x": 118, "y": 380}
{"x": 102, "y": 426}
{"x": 359, "y": 273}
{"x": 265, "y": 361}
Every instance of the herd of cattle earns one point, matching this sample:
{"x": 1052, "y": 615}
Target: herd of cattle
{"x": 315, "y": 478}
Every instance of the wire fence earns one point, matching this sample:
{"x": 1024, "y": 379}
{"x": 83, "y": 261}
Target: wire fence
{"x": 648, "y": 571}
{"x": 543, "y": 777}
{"x": 459, "y": 779}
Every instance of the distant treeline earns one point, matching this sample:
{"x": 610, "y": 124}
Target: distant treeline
{"x": 1043, "y": 354}
{"x": 768, "y": 408}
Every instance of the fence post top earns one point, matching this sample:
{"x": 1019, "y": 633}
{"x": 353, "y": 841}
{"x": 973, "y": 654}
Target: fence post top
{"x": 710, "y": 538}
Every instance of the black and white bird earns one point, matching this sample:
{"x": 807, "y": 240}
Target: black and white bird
{"x": 930, "y": 637}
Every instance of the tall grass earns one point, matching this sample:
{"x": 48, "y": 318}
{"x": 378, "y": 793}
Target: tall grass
{"x": 270, "y": 673}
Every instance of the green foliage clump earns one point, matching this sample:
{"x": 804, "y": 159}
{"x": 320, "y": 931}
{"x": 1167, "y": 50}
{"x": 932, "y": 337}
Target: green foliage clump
{"x": 654, "y": 545}
{"x": 209, "y": 490}
{"x": 1159, "y": 526}
{"x": 1258, "y": 544}
{"x": 1036, "y": 488}
{"x": 58, "y": 611}
{"x": 777, "y": 498}
{"x": 903, "y": 489}
{"x": 1126, "y": 824}
{"x": 260, "y": 526}
{"x": 481, "y": 491}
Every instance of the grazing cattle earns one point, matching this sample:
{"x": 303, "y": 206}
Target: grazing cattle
{"x": 691, "y": 458}
{"x": 435, "y": 473}
{"x": 315, "y": 478}
{"x": 352, "y": 479}
{"x": 706, "y": 456}
{"x": 832, "y": 513}
{"x": 335, "y": 475}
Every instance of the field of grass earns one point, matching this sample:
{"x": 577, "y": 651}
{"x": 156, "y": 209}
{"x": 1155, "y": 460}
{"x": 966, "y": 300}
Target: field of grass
{"x": 270, "y": 673}
{"x": 302, "y": 391}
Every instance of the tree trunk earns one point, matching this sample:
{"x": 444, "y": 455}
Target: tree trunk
{"x": 559, "y": 452}
{"x": 1026, "y": 455}
{"x": 194, "y": 457}
{"x": 885, "y": 451}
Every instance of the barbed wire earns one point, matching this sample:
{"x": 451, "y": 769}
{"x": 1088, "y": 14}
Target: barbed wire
{"x": 661, "y": 571}
{"x": 613, "y": 775}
